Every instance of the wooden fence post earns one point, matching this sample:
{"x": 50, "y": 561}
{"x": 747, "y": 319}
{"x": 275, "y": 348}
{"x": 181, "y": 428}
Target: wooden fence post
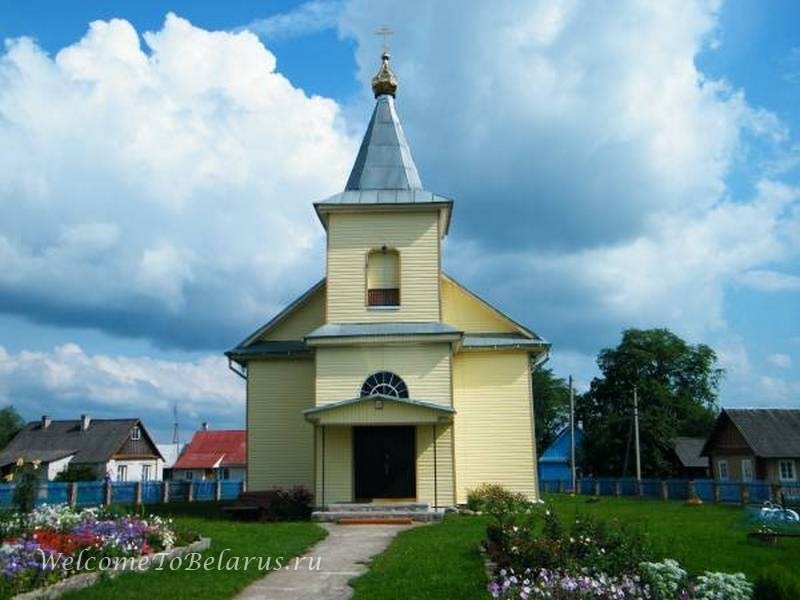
{"x": 639, "y": 487}
{"x": 107, "y": 493}
{"x": 715, "y": 491}
{"x": 191, "y": 491}
{"x": 164, "y": 491}
{"x": 596, "y": 488}
{"x": 137, "y": 493}
{"x": 774, "y": 492}
{"x": 664, "y": 490}
{"x": 218, "y": 491}
{"x": 744, "y": 493}
{"x": 244, "y": 486}
{"x": 73, "y": 494}
{"x": 691, "y": 489}
{"x": 618, "y": 488}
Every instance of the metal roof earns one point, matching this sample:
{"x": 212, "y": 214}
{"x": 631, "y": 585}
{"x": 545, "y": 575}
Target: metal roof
{"x": 334, "y": 330}
{"x": 277, "y": 348}
{"x": 96, "y": 444}
{"x": 384, "y": 160}
{"x": 407, "y": 401}
{"x": 770, "y": 432}
{"x": 211, "y": 449}
{"x": 494, "y": 340}
{"x": 386, "y": 196}
{"x": 688, "y": 450}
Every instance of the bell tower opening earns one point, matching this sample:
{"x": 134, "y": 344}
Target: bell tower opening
{"x": 383, "y": 278}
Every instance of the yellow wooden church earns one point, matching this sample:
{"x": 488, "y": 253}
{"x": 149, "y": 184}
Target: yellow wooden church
{"x": 389, "y": 380}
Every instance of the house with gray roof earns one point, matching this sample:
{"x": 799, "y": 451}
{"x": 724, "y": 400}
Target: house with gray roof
{"x": 120, "y": 449}
{"x": 755, "y": 444}
{"x": 688, "y": 462}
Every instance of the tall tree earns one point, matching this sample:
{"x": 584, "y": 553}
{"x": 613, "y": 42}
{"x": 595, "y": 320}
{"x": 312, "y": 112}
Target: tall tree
{"x": 10, "y": 424}
{"x": 550, "y": 406}
{"x": 677, "y": 387}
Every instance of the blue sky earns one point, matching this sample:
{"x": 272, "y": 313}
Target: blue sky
{"x": 612, "y": 166}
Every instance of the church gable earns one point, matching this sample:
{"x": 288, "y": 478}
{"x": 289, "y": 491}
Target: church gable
{"x": 299, "y": 318}
{"x": 465, "y": 311}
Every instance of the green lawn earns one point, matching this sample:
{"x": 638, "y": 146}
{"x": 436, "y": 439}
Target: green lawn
{"x": 429, "y": 561}
{"x": 442, "y": 561}
{"x": 708, "y": 537}
{"x": 241, "y": 539}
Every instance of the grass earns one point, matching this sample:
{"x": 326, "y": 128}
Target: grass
{"x": 708, "y": 537}
{"x": 239, "y": 538}
{"x": 430, "y": 561}
{"x": 442, "y": 561}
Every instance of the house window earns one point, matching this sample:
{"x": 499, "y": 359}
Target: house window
{"x": 188, "y": 475}
{"x": 384, "y": 383}
{"x": 122, "y": 472}
{"x": 747, "y": 469}
{"x": 786, "y": 470}
{"x": 136, "y": 433}
{"x": 146, "y": 473}
{"x": 226, "y": 473}
{"x": 383, "y": 278}
{"x": 722, "y": 470}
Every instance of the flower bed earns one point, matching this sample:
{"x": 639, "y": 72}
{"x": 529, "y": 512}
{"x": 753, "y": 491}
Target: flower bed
{"x": 52, "y": 543}
{"x": 538, "y": 555}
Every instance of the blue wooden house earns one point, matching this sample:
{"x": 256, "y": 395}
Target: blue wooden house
{"x": 554, "y": 463}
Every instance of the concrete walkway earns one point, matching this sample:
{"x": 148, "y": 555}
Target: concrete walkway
{"x": 343, "y": 555}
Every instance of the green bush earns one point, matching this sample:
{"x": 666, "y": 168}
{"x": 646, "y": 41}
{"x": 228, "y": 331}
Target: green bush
{"x": 776, "y": 583}
{"x": 77, "y": 473}
{"x": 495, "y": 499}
{"x": 26, "y": 479}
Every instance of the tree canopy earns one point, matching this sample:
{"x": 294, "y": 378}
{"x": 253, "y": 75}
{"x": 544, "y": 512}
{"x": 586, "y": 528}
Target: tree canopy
{"x": 551, "y": 406}
{"x": 677, "y": 386}
{"x": 10, "y": 424}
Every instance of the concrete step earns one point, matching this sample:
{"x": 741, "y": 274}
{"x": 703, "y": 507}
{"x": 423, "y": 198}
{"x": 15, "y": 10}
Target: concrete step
{"x": 368, "y": 520}
{"x": 415, "y": 515}
{"x": 373, "y": 507}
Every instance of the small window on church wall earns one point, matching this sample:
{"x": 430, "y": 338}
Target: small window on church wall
{"x": 383, "y": 277}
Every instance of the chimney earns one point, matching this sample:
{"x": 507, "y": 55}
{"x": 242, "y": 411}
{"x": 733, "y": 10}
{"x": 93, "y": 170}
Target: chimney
{"x": 204, "y": 426}
{"x": 85, "y": 420}
{"x": 46, "y": 421}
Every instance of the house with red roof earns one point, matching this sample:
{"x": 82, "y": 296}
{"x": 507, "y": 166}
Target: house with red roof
{"x": 213, "y": 455}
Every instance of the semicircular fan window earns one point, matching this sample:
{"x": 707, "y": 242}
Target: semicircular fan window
{"x": 384, "y": 383}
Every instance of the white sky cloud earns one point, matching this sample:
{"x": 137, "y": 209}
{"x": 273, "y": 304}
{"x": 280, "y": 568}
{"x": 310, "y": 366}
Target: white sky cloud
{"x": 161, "y": 191}
{"x": 782, "y": 361}
{"x": 67, "y": 381}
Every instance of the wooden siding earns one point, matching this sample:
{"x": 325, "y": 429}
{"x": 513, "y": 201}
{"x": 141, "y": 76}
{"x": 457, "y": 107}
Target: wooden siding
{"x": 141, "y": 448}
{"x": 442, "y": 494}
{"x": 493, "y": 422}
{"x": 351, "y": 236}
{"x": 425, "y": 368}
{"x": 467, "y": 313}
{"x": 279, "y": 439}
{"x": 392, "y": 413}
{"x": 303, "y": 320}
{"x": 338, "y": 465}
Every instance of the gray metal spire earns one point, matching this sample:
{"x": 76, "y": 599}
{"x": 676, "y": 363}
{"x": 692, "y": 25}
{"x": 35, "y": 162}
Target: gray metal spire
{"x": 384, "y": 160}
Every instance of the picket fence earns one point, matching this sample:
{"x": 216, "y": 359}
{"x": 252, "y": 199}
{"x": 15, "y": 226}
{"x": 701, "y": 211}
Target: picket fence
{"x": 97, "y": 493}
{"x": 708, "y": 490}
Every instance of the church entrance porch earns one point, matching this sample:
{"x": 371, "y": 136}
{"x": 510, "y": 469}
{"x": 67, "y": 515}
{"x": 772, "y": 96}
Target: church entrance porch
{"x": 384, "y": 463}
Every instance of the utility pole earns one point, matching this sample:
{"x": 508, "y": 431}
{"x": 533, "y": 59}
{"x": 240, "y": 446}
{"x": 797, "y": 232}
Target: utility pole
{"x": 176, "y": 438}
{"x": 636, "y": 432}
{"x": 572, "y": 432}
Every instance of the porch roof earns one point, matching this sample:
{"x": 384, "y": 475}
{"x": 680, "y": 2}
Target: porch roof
{"x": 379, "y": 409}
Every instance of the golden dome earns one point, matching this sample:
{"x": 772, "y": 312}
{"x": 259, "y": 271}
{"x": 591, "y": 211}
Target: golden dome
{"x": 384, "y": 82}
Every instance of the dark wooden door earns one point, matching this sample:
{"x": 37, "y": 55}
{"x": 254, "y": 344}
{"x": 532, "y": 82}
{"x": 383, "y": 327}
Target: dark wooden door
{"x": 384, "y": 462}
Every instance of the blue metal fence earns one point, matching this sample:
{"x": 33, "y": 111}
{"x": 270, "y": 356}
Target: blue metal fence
{"x": 93, "y": 493}
{"x": 708, "y": 490}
